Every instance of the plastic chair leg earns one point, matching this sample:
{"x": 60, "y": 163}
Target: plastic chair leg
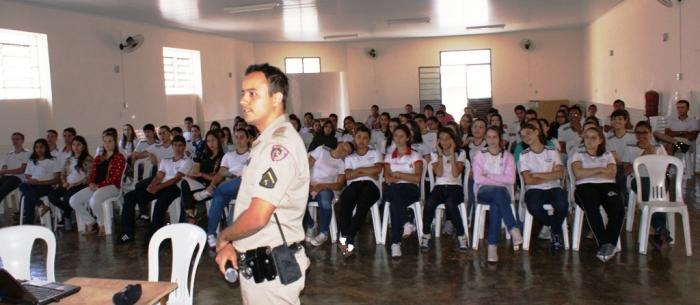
{"x": 631, "y": 209}
{"x": 686, "y": 231}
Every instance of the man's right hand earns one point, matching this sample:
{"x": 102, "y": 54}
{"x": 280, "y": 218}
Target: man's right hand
{"x": 224, "y": 253}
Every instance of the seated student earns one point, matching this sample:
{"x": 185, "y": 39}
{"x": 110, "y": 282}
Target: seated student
{"x": 348, "y": 129}
{"x": 680, "y": 130}
{"x": 69, "y": 134}
{"x": 204, "y": 170}
{"x": 497, "y": 120}
{"x": 474, "y": 144}
{"x": 162, "y": 188}
{"x": 214, "y": 125}
{"x": 594, "y": 169}
{"x": 73, "y": 178}
{"x": 42, "y": 173}
{"x": 232, "y": 165}
{"x": 388, "y": 136}
{"x": 325, "y": 138}
{"x": 560, "y": 119}
{"x": 428, "y": 111}
{"x": 429, "y": 136}
{"x": 378, "y": 138}
{"x": 189, "y": 122}
{"x": 144, "y": 147}
{"x": 494, "y": 173}
{"x": 403, "y": 167}
{"x": 542, "y": 172}
{"x": 227, "y": 140}
{"x": 103, "y": 181}
{"x": 521, "y": 146}
{"x": 129, "y": 140}
{"x": 617, "y": 105}
{"x": 465, "y": 127}
{"x": 308, "y": 123}
{"x": 570, "y": 133}
{"x": 197, "y": 142}
{"x": 446, "y": 118}
{"x": 327, "y": 175}
{"x": 416, "y": 141}
{"x": 362, "y": 170}
{"x": 645, "y": 146}
{"x": 12, "y": 172}
{"x": 51, "y": 139}
{"x": 448, "y": 165}
{"x": 519, "y": 111}
{"x": 617, "y": 142}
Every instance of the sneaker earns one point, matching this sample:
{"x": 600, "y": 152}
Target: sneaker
{"x": 396, "y": 250}
{"x": 448, "y": 228}
{"x": 309, "y": 235}
{"x": 347, "y": 248}
{"x": 517, "y": 238}
{"x": 319, "y": 239}
{"x": 463, "y": 242}
{"x": 202, "y": 195}
{"x": 143, "y": 221}
{"x": 665, "y": 235}
{"x": 425, "y": 242}
{"x": 408, "y": 229}
{"x": 601, "y": 253}
{"x": 681, "y": 146}
{"x": 545, "y": 233}
{"x": 125, "y": 239}
{"x": 557, "y": 244}
{"x": 606, "y": 252}
{"x": 211, "y": 241}
{"x": 492, "y": 254}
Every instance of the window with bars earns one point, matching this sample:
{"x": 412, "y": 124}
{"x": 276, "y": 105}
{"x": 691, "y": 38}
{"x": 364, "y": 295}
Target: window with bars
{"x": 24, "y": 70}
{"x": 182, "y": 71}
{"x": 302, "y": 64}
{"x": 465, "y": 78}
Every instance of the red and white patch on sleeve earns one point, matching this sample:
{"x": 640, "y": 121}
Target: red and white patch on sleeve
{"x": 278, "y": 152}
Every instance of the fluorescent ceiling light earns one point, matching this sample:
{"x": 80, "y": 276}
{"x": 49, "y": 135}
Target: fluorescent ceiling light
{"x": 484, "y": 27}
{"x": 341, "y": 36}
{"x": 252, "y": 8}
{"x": 408, "y": 20}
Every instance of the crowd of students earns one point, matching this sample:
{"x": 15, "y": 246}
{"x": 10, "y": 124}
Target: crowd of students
{"x": 378, "y": 161}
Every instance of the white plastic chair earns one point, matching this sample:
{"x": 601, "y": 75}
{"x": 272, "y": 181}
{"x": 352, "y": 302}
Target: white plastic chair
{"x": 480, "y": 218}
{"x": 313, "y": 206}
{"x": 16, "y": 250}
{"x": 527, "y": 225}
{"x": 659, "y": 199}
{"x": 377, "y": 227}
{"x": 185, "y": 239}
{"x": 108, "y": 207}
{"x": 416, "y": 207}
{"x": 440, "y": 210}
{"x": 579, "y": 214}
{"x": 10, "y": 201}
{"x": 631, "y": 206}
{"x": 45, "y": 220}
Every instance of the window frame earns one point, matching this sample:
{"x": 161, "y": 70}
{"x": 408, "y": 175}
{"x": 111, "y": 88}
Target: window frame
{"x": 490, "y": 63}
{"x": 320, "y": 67}
{"x": 195, "y": 75}
{"x": 39, "y": 69}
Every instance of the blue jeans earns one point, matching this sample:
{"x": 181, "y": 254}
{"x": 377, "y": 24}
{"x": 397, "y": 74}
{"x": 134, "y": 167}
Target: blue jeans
{"x": 498, "y": 198}
{"x": 400, "y": 195}
{"x": 223, "y": 194}
{"x": 536, "y": 198}
{"x": 32, "y": 198}
{"x": 324, "y": 199}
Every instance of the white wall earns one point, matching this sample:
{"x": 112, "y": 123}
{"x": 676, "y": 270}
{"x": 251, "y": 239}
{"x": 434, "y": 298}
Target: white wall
{"x": 87, "y": 93}
{"x": 391, "y": 80}
{"x": 642, "y": 61}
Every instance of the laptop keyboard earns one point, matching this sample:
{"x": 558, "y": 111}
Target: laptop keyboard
{"x": 42, "y": 293}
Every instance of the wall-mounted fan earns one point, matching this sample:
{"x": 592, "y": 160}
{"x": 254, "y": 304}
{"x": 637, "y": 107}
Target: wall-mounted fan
{"x": 371, "y": 53}
{"x": 131, "y": 43}
{"x": 527, "y": 44}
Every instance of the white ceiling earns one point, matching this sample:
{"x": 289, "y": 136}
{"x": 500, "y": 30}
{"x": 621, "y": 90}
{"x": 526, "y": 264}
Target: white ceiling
{"x": 311, "y": 20}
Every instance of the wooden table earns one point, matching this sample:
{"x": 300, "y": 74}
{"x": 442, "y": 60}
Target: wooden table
{"x": 100, "y": 291}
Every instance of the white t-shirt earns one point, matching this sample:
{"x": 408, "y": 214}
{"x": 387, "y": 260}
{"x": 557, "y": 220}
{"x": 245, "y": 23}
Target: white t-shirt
{"x": 430, "y": 140}
{"x": 187, "y": 135}
{"x": 619, "y": 145}
{"x": 569, "y": 137}
{"x": 144, "y": 146}
{"x": 355, "y": 161}
{"x": 61, "y": 156}
{"x": 403, "y": 164}
{"x": 543, "y": 162}
{"x": 473, "y": 148}
{"x": 421, "y": 148}
{"x": 588, "y": 161}
{"x": 634, "y": 152}
{"x": 162, "y": 152}
{"x": 447, "y": 178}
{"x": 74, "y": 176}
{"x": 14, "y": 160}
{"x": 43, "y": 170}
{"x": 171, "y": 167}
{"x": 378, "y": 141}
{"x": 235, "y": 162}
{"x": 676, "y": 124}
{"x": 130, "y": 146}
{"x": 326, "y": 168}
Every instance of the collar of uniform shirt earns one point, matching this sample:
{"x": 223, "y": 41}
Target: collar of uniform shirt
{"x": 270, "y": 129}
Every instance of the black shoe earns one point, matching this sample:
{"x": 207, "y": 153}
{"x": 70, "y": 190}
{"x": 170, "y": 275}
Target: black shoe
{"x": 124, "y": 239}
{"x": 556, "y": 244}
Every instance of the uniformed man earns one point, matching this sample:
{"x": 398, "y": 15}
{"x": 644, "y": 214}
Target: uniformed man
{"x": 276, "y": 181}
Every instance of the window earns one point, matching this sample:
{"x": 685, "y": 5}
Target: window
{"x": 465, "y": 77}
{"x": 182, "y": 71}
{"x": 302, "y": 64}
{"x": 24, "y": 65}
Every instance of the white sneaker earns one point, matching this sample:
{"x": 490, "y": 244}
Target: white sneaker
{"x": 200, "y": 196}
{"x": 309, "y": 235}
{"x": 517, "y": 238}
{"x": 396, "y": 250}
{"x": 463, "y": 242}
{"x": 493, "y": 253}
{"x": 319, "y": 239}
{"x": 545, "y": 233}
{"x": 408, "y": 229}
{"x": 425, "y": 242}
{"x": 211, "y": 240}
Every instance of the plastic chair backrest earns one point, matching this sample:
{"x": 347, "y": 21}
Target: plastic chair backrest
{"x": 147, "y": 168}
{"x": 424, "y": 172}
{"x": 572, "y": 181}
{"x": 16, "y": 250}
{"x": 184, "y": 238}
{"x": 656, "y": 167}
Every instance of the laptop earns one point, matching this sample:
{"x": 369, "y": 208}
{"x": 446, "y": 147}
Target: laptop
{"x": 32, "y": 292}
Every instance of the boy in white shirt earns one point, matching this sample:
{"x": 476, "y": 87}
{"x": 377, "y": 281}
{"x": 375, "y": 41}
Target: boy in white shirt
{"x": 12, "y": 172}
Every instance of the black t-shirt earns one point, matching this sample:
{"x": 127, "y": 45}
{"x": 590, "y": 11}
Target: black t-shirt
{"x": 102, "y": 169}
{"x": 208, "y": 165}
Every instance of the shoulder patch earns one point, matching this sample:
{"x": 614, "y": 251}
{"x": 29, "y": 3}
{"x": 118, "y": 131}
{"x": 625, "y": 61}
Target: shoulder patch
{"x": 268, "y": 179}
{"x": 278, "y": 152}
{"x": 279, "y": 131}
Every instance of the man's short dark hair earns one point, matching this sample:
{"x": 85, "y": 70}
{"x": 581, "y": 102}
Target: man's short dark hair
{"x": 19, "y": 134}
{"x": 420, "y": 116}
{"x": 176, "y": 129}
{"x": 622, "y": 113}
{"x": 492, "y": 111}
{"x": 189, "y": 119}
{"x": 575, "y": 107}
{"x": 166, "y": 127}
{"x": 440, "y": 112}
{"x": 684, "y": 102}
{"x": 277, "y": 81}
{"x": 374, "y": 106}
{"x": 309, "y": 114}
{"x": 71, "y": 130}
{"x": 519, "y": 107}
{"x": 593, "y": 106}
{"x": 386, "y": 114}
{"x": 197, "y": 126}
{"x": 149, "y": 126}
{"x": 426, "y": 107}
{"x": 531, "y": 111}
{"x": 178, "y": 138}
{"x": 619, "y": 101}
{"x": 333, "y": 115}
{"x": 363, "y": 129}
{"x": 434, "y": 119}
{"x": 52, "y": 131}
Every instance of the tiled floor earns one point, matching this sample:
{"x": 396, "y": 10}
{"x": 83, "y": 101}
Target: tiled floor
{"x": 445, "y": 276}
